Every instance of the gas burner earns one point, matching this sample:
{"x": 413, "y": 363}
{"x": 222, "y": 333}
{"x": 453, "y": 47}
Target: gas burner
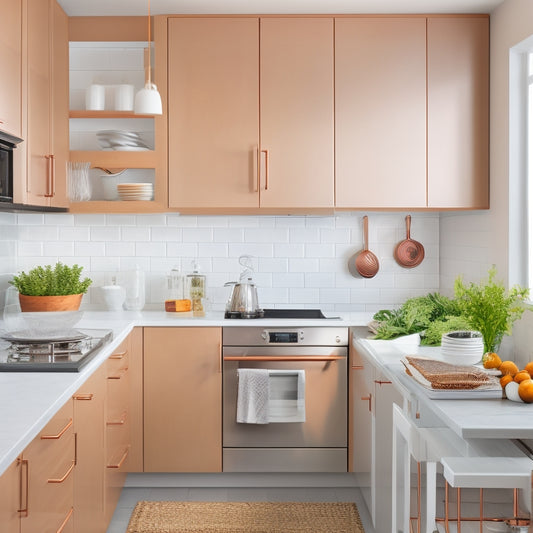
{"x": 66, "y": 354}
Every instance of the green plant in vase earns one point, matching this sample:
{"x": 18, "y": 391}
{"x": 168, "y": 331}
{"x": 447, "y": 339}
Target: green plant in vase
{"x": 490, "y": 309}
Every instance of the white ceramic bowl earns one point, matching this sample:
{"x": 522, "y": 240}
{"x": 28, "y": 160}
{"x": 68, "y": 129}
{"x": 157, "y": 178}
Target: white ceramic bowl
{"x": 462, "y": 347}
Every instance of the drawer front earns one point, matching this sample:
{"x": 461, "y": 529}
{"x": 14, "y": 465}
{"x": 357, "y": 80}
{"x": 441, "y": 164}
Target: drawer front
{"x": 48, "y": 465}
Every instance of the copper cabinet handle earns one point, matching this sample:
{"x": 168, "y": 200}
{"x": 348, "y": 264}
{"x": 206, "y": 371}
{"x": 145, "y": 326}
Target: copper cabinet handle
{"x": 369, "y": 399}
{"x": 219, "y": 359}
{"x": 258, "y": 171}
{"x": 266, "y": 168}
{"x": 49, "y": 185}
{"x": 119, "y": 422}
{"x": 285, "y": 358}
{"x": 122, "y": 459}
{"x": 58, "y": 436}
{"x": 65, "y": 475}
{"x": 24, "y": 463}
{"x": 120, "y": 375}
{"x": 382, "y": 382}
{"x": 358, "y": 367}
{"x": 119, "y": 355}
{"x": 83, "y": 397}
{"x": 65, "y": 522}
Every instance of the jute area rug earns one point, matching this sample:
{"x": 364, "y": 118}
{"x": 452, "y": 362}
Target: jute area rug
{"x": 244, "y": 517}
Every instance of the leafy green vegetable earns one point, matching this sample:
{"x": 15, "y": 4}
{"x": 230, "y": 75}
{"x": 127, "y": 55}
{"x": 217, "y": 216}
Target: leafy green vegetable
{"x": 489, "y": 308}
{"x": 414, "y": 316}
{"x": 433, "y": 334}
{"x": 45, "y": 281}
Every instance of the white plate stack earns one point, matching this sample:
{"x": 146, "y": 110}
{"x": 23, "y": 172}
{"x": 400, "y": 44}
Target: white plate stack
{"x": 135, "y": 191}
{"x": 128, "y": 141}
{"x": 462, "y": 347}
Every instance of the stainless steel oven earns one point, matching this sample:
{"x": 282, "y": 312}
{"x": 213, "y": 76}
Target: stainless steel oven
{"x": 7, "y": 144}
{"x": 316, "y": 439}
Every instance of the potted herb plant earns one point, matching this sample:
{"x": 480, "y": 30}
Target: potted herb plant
{"x": 51, "y": 289}
{"x": 489, "y": 308}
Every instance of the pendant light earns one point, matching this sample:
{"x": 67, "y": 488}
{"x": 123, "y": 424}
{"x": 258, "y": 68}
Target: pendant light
{"x": 148, "y": 100}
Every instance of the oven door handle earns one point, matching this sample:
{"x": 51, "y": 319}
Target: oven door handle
{"x": 285, "y": 358}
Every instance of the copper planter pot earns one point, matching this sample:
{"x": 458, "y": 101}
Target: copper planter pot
{"x": 69, "y": 302}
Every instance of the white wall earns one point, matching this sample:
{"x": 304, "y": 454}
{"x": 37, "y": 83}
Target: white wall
{"x": 471, "y": 242}
{"x": 301, "y": 260}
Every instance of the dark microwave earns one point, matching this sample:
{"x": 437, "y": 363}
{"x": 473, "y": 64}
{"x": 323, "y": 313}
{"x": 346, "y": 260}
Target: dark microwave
{"x": 7, "y": 144}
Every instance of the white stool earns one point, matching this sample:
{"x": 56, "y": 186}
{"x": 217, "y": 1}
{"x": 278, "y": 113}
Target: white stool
{"x": 425, "y": 445}
{"x": 510, "y": 469}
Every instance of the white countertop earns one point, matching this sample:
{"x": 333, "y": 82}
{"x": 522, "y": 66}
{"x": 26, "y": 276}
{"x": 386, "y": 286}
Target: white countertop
{"x": 476, "y": 418}
{"x": 28, "y": 400}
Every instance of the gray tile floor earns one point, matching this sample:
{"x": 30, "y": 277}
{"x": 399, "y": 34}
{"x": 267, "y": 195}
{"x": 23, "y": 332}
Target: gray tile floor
{"x": 130, "y": 496}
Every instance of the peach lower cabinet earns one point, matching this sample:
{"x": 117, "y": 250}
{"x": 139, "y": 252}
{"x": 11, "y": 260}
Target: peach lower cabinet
{"x": 70, "y": 476}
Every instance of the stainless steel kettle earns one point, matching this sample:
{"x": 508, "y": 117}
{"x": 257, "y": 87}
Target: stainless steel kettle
{"x": 243, "y": 302}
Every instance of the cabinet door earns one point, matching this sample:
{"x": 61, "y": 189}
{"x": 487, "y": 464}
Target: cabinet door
{"x": 10, "y": 489}
{"x": 458, "y": 112}
{"x": 51, "y": 462}
{"x": 380, "y": 112}
{"x": 59, "y": 103}
{"x": 89, "y": 403}
{"x": 297, "y": 113}
{"x": 11, "y": 67}
{"x": 135, "y": 459}
{"x": 182, "y": 400}
{"x": 213, "y": 112}
{"x": 39, "y": 165}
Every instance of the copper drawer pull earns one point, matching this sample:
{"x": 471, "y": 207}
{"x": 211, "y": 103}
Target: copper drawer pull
{"x": 383, "y": 382}
{"x": 65, "y": 476}
{"x": 358, "y": 367}
{"x": 85, "y": 397}
{"x": 369, "y": 399}
{"x": 119, "y": 355}
{"x": 122, "y": 459}
{"x": 285, "y": 358}
{"x": 120, "y": 422}
{"x": 58, "y": 436}
{"x": 119, "y": 376}
{"x": 22, "y": 463}
{"x": 62, "y": 526}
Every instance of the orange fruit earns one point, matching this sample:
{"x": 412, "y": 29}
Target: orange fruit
{"x": 508, "y": 367}
{"x": 529, "y": 368}
{"x": 505, "y": 379}
{"x": 525, "y": 390}
{"x": 520, "y": 376}
{"x": 491, "y": 360}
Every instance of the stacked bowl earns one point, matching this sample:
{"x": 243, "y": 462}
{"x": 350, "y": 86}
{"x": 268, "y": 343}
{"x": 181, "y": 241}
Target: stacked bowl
{"x": 135, "y": 191}
{"x": 121, "y": 140}
{"x": 462, "y": 347}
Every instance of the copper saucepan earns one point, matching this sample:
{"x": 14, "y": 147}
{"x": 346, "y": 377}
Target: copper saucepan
{"x": 365, "y": 262}
{"x": 409, "y": 253}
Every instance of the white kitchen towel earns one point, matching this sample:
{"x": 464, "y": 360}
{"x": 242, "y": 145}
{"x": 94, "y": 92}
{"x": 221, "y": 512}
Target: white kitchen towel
{"x": 287, "y": 396}
{"x": 253, "y": 396}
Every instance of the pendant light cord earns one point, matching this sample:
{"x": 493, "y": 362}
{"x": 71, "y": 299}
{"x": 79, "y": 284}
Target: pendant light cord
{"x": 149, "y": 77}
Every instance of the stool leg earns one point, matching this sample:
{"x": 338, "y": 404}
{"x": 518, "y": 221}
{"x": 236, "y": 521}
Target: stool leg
{"x": 480, "y": 510}
{"x": 458, "y": 509}
{"x": 446, "y": 507}
{"x": 431, "y": 496}
{"x": 418, "y": 491}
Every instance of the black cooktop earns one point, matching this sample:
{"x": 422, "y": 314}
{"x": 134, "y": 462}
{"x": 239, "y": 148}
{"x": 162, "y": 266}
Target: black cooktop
{"x": 282, "y": 313}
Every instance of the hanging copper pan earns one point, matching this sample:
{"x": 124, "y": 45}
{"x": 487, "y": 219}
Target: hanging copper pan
{"x": 409, "y": 253}
{"x": 365, "y": 262}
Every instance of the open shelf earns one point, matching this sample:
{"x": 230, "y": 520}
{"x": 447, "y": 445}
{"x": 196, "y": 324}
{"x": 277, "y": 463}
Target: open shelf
{"x": 116, "y": 158}
{"x": 82, "y": 113}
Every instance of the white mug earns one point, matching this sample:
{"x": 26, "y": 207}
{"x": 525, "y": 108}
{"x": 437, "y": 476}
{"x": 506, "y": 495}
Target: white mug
{"x": 95, "y": 97}
{"x": 124, "y": 97}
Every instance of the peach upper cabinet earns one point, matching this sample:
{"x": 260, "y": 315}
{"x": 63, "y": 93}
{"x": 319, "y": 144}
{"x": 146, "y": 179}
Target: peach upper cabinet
{"x": 47, "y": 103}
{"x": 11, "y": 67}
{"x": 458, "y": 112}
{"x": 250, "y": 113}
{"x": 380, "y": 112}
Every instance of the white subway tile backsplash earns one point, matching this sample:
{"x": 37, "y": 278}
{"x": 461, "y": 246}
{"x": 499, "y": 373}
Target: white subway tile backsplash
{"x": 299, "y": 261}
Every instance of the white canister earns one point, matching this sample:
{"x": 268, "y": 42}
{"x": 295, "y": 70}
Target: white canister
{"x": 109, "y": 186}
{"x": 95, "y": 97}
{"x": 124, "y": 97}
{"x": 113, "y": 297}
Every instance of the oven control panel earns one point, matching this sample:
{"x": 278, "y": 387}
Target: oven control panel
{"x": 282, "y": 337}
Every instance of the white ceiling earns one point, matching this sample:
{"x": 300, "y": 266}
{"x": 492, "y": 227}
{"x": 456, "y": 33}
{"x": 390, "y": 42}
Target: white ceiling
{"x": 159, "y": 7}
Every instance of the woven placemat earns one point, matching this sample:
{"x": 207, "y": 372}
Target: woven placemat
{"x": 244, "y": 517}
